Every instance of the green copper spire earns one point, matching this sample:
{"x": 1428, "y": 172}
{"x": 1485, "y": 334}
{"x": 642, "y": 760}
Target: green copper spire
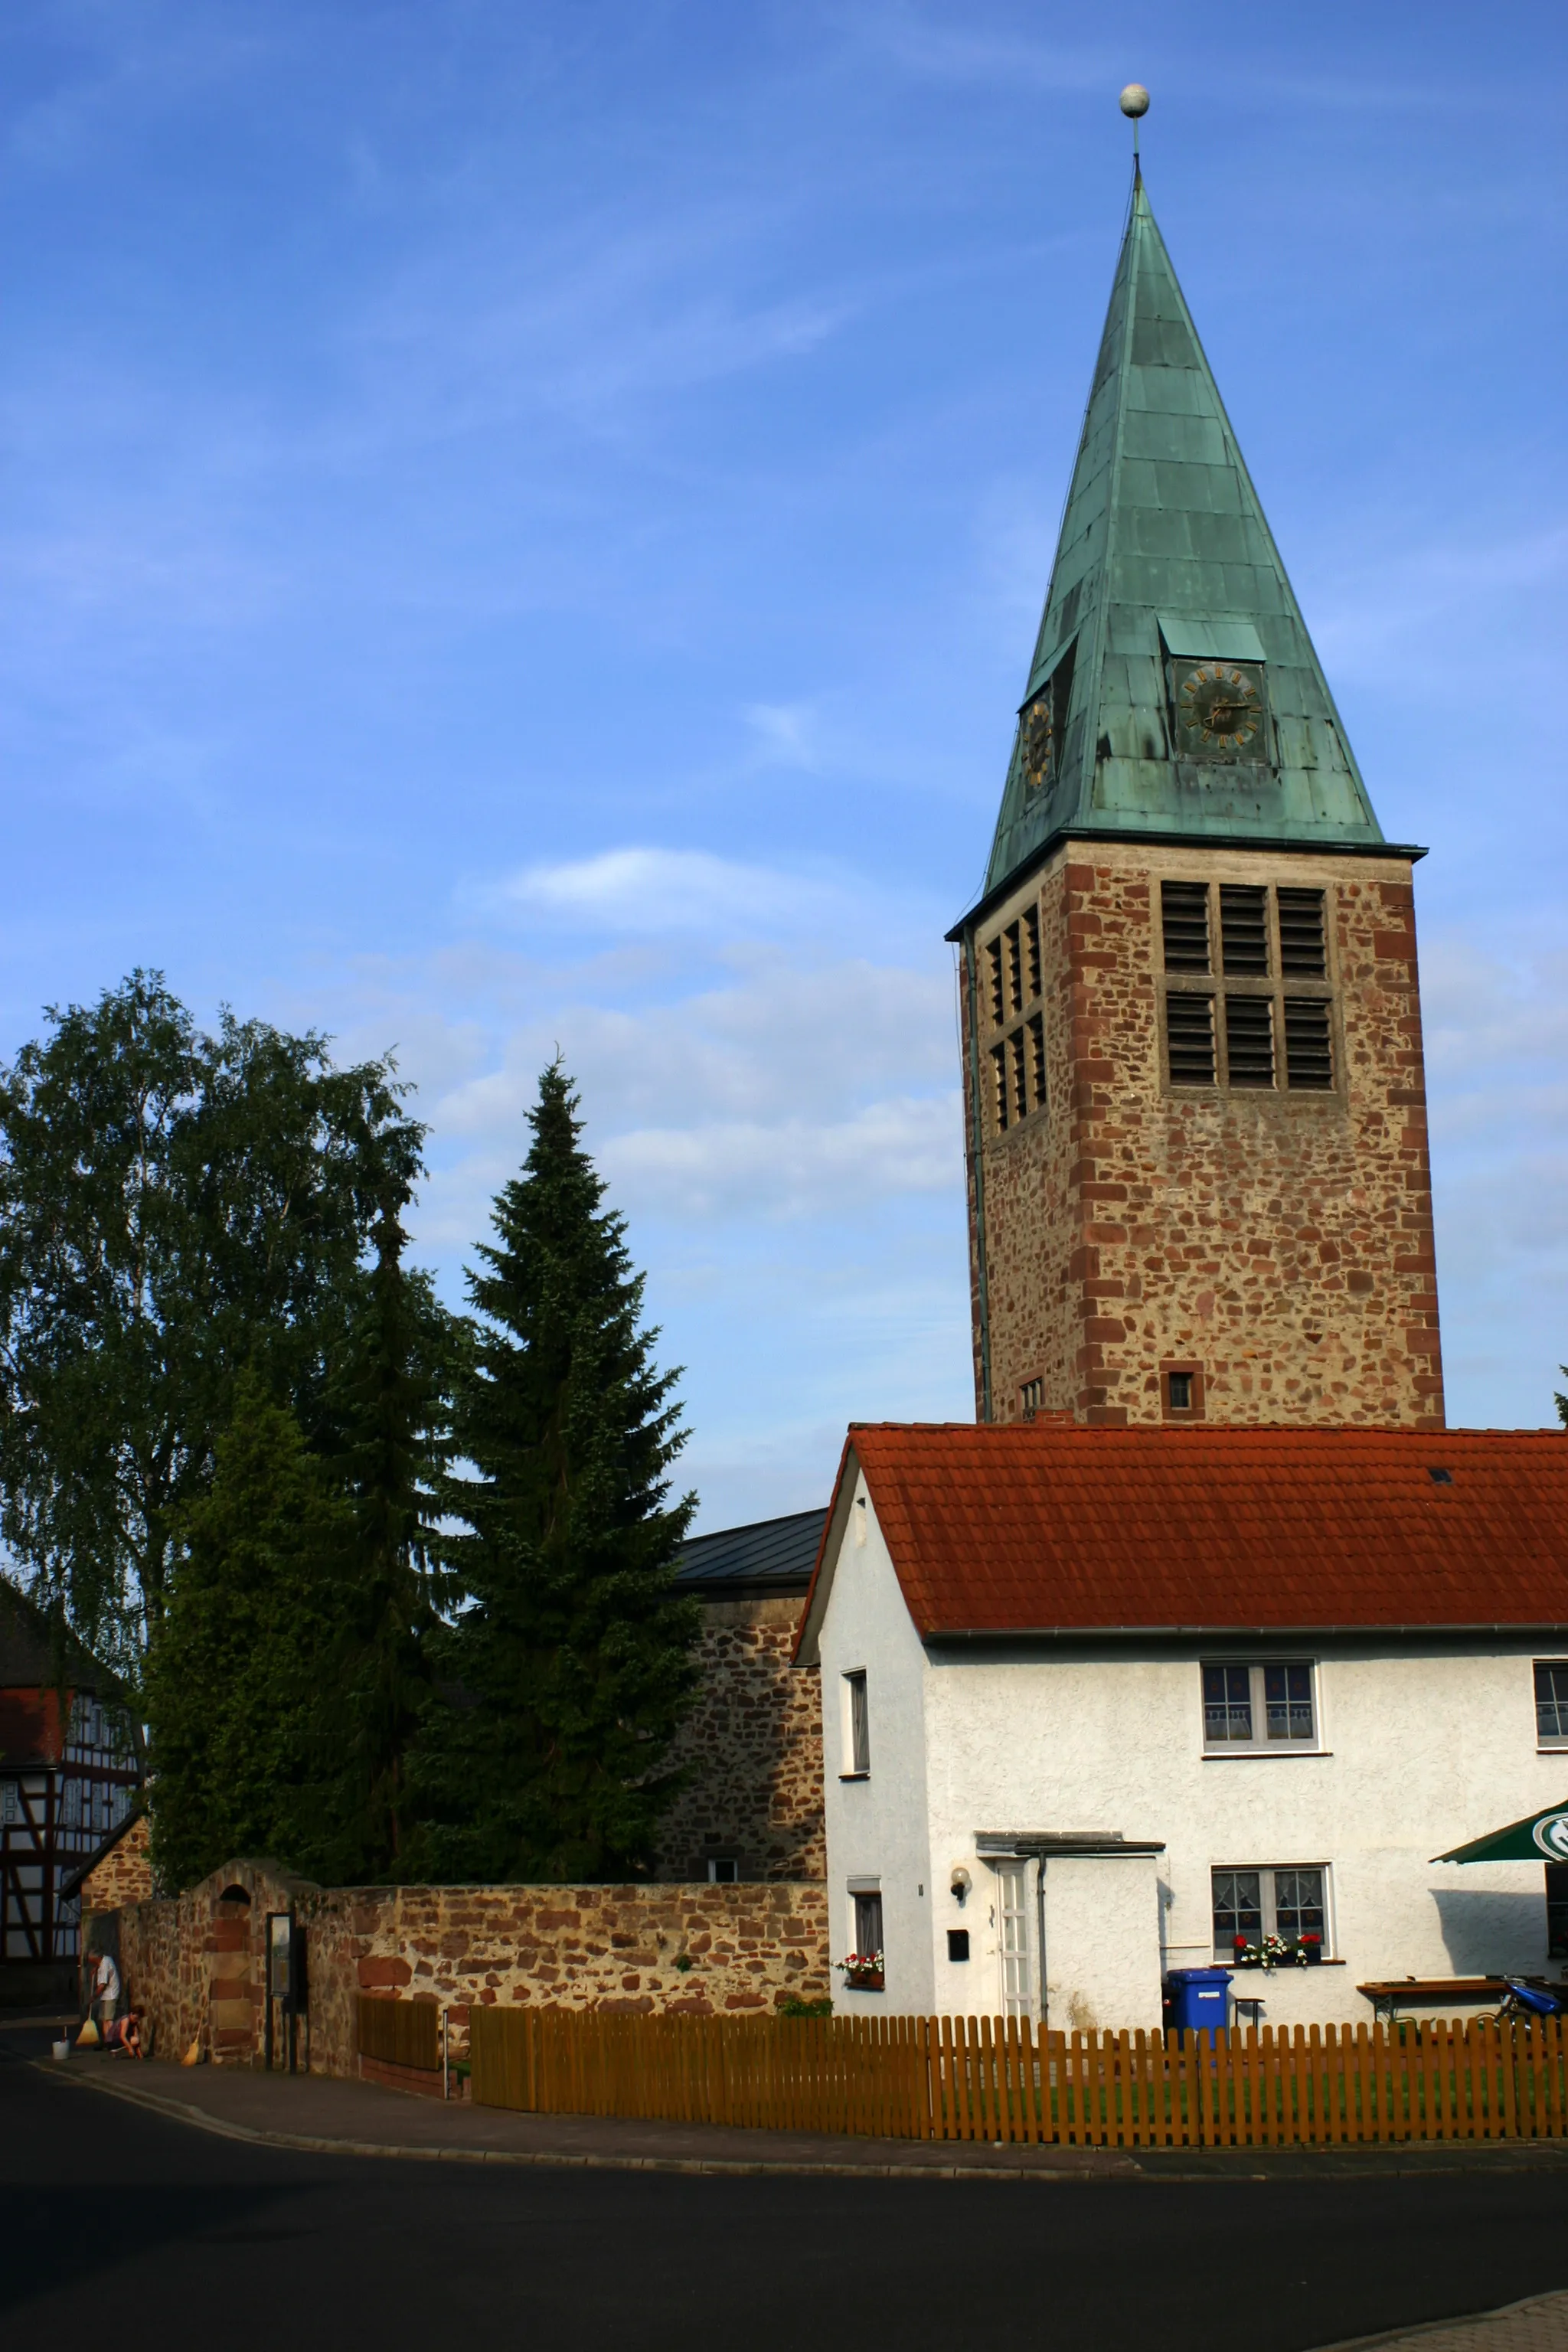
{"x": 1166, "y": 567}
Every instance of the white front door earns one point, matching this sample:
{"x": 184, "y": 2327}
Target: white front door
{"x": 1013, "y": 1939}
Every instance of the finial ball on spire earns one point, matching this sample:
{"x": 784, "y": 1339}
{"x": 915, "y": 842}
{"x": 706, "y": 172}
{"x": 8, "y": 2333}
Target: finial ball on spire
{"x": 1134, "y": 99}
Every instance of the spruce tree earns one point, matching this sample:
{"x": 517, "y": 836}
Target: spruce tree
{"x": 248, "y": 1750}
{"x": 389, "y": 1413}
{"x": 569, "y": 1668}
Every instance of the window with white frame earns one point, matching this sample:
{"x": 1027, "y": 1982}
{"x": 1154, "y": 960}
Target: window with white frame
{"x": 1285, "y": 1899}
{"x": 1265, "y": 1706}
{"x": 866, "y": 1904}
{"x": 1551, "y": 1702}
{"x": 857, "y": 1728}
{"x": 723, "y": 1870}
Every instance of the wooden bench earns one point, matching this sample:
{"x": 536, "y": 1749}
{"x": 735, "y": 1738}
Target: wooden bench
{"x": 1388, "y": 1995}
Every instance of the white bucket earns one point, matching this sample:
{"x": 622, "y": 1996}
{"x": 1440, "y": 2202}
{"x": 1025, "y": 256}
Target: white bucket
{"x": 62, "y": 2051}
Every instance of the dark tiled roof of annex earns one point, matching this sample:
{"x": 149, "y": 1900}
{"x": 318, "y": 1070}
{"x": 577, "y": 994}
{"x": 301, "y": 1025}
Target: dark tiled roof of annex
{"x": 767, "y": 1557}
{"x": 1025, "y": 1528}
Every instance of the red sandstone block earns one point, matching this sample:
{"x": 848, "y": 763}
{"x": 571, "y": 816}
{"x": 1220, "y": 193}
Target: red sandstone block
{"x": 373, "y": 1973}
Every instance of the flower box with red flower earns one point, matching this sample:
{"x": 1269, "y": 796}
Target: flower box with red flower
{"x": 862, "y": 1972}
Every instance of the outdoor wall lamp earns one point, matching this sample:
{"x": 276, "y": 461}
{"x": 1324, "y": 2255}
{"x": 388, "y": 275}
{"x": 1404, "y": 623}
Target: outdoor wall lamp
{"x": 961, "y": 1883}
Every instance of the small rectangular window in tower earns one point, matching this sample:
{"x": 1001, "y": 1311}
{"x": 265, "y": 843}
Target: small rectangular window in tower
{"x": 1303, "y": 953}
{"x": 1031, "y": 1397}
{"x": 1189, "y": 1039}
{"x": 1249, "y": 1041}
{"x": 1309, "y": 1057}
{"x": 1013, "y": 956}
{"x": 1184, "y": 916}
{"x": 1031, "y": 954}
{"x": 1182, "y": 1392}
{"x": 1035, "y": 1033}
{"x": 1243, "y": 928}
{"x": 994, "y": 995}
{"x": 999, "y": 1085}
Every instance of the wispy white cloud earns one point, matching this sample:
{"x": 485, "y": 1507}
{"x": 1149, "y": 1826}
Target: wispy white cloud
{"x": 1410, "y": 603}
{"x": 787, "y": 734}
{"x": 665, "y": 891}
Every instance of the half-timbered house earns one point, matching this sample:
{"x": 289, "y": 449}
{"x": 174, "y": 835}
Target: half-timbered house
{"x": 69, "y": 1769}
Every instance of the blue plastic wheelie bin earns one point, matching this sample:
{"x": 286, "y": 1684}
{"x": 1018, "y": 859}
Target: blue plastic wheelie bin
{"x": 1200, "y": 1999}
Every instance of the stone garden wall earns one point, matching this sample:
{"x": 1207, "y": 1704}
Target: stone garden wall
{"x": 193, "y": 1964}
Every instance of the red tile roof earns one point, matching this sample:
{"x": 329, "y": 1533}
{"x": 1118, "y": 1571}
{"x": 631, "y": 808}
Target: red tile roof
{"x": 1030, "y": 1528}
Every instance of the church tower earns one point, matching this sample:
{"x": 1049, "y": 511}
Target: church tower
{"x": 1198, "y": 1176}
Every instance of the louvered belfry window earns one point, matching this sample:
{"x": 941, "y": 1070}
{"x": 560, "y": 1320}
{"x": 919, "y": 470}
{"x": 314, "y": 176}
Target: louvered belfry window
{"x": 1248, "y": 1005}
{"x": 1184, "y": 909}
{"x": 1011, "y": 978}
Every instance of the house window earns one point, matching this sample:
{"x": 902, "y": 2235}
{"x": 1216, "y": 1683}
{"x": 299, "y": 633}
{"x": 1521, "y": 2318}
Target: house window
{"x": 1253, "y": 1036}
{"x": 1557, "y": 1910}
{"x": 10, "y": 1804}
{"x": 867, "y": 1923}
{"x": 723, "y": 1870}
{"x": 858, "y": 1726}
{"x": 1268, "y": 1706}
{"x": 1551, "y": 1702}
{"x": 1013, "y": 1939}
{"x": 1286, "y": 1900}
{"x": 1031, "y": 1397}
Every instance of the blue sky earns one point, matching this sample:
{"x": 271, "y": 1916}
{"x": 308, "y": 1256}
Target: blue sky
{"x": 524, "y": 524}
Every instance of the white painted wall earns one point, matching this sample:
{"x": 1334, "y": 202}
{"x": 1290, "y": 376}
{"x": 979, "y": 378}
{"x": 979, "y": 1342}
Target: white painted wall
{"x": 1419, "y": 1752}
{"x": 877, "y": 1827}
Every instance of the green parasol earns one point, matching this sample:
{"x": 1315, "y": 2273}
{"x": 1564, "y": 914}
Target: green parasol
{"x": 1539, "y": 1837}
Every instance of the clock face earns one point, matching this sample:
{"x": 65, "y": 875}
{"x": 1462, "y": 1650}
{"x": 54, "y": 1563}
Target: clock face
{"x": 1219, "y": 709}
{"x": 1038, "y": 736}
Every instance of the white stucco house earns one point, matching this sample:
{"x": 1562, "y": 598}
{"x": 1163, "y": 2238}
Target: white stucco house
{"x": 1098, "y": 1701}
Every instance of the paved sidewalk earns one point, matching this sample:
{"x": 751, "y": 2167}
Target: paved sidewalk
{"x": 362, "y": 2119}
{"x": 1538, "y": 2326}
{"x": 326, "y": 2115}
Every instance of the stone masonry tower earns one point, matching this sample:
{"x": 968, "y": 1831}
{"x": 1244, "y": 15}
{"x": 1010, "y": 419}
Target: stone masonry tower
{"x": 1198, "y": 1178}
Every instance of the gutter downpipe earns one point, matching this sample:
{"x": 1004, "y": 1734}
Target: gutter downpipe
{"x": 977, "y": 1144}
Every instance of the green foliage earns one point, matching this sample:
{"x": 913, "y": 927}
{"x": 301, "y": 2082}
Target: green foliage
{"x": 1561, "y": 1400}
{"x": 793, "y": 2006}
{"x": 389, "y": 1413}
{"x": 243, "y": 1707}
{"x": 569, "y": 1667}
{"x": 173, "y": 1207}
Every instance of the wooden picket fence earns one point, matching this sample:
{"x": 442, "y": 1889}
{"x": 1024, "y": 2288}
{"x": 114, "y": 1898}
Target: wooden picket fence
{"x": 400, "y": 2033}
{"x": 999, "y": 2079}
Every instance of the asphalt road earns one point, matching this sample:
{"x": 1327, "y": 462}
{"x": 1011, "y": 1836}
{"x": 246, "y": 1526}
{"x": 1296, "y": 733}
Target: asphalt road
{"x": 122, "y": 2229}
